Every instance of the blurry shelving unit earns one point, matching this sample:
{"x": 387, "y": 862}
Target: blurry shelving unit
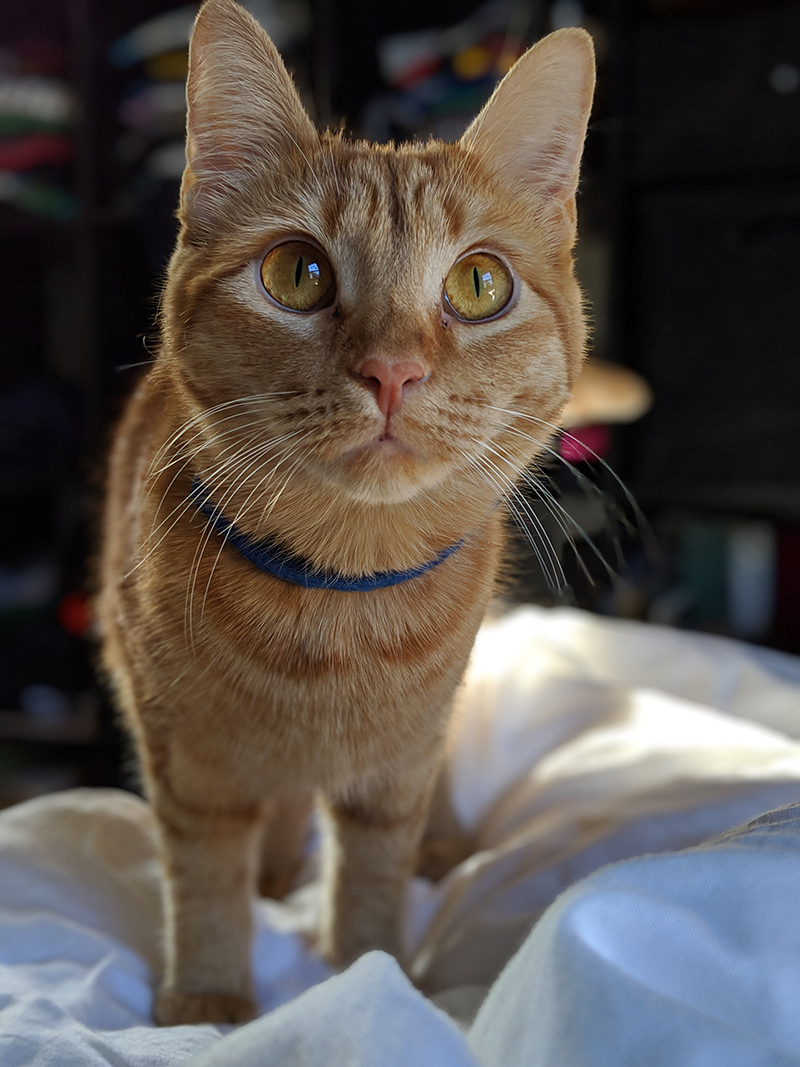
{"x": 705, "y": 183}
{"x": 91, "y": 131}
{"x": 50, "y": 727}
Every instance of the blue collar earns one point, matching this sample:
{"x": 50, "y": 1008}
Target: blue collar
{"x": 269, "y": 556}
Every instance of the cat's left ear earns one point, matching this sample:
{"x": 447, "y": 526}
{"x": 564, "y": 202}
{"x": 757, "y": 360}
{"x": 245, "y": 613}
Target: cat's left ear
{"x": 531, "y": 132}
{"x": 244, "y": 113}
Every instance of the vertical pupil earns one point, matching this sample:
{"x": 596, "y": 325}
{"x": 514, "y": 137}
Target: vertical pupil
{"x": 298, "y": 272}
{"x": 476, "y": 281}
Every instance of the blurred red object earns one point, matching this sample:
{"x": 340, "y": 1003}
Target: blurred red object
{"x": 585, "y": 443}
{"x": 73, "y": 613}
{"x": 33, "y": 149}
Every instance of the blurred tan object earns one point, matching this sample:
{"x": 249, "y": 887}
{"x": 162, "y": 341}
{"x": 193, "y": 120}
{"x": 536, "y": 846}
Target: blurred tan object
{"x": 607, "y": 393}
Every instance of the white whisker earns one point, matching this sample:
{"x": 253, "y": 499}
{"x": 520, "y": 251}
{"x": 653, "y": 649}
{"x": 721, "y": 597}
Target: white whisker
{"x": 221, "y": 502}
{"x": 561, "y": 516}
{"x": 598, "y": 459}
{"x": 478, "y": 464}
{"x": 523, "y": 509}
{"x": 205, "y": 413}
{"x": 259, "y": 487}
{"x": 229, "y": 466}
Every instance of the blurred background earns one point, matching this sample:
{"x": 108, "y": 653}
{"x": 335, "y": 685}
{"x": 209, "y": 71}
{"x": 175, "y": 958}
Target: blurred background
{"x": 690, "y": 257}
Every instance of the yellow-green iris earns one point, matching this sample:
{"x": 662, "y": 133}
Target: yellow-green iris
{"x": 298, "y": 276}
{"x": 478, "y": 286}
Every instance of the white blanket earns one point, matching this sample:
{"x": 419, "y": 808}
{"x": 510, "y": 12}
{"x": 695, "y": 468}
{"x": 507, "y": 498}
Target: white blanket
{"x": 579, "y": 742}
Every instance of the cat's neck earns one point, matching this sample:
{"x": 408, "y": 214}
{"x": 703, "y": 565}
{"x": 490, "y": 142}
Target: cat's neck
{"x": 319, "y": 523}
{"x": 318, "y": 520}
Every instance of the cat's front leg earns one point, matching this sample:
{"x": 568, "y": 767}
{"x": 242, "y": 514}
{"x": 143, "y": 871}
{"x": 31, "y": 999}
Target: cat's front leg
{"x": 209, "y": 863}
{"x": 283, "y": 840}
{"x": 370, "y": 851}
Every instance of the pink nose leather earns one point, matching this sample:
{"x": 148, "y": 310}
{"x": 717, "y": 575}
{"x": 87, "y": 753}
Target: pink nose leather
{"x": 388, "y": 380}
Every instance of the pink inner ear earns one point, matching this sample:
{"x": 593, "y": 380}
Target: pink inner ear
{"x": 214, "y": 162}
{"x": 243, "y": 106}
{"x": 555, "y": 168}
{"x": 531, "y": 131}
{"x": 212, "y": 142}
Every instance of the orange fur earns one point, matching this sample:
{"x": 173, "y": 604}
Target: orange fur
{"x": 246, "y": 694}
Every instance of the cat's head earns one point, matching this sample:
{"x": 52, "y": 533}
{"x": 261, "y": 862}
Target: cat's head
{"x": 383, "y": 323}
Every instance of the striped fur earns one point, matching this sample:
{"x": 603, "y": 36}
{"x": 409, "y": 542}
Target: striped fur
{"x": 247, "y": 695}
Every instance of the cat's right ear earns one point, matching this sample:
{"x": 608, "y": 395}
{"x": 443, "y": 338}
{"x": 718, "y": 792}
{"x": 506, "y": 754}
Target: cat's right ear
{"x": 243, "y": 111}
{"x": 531, "y": 132}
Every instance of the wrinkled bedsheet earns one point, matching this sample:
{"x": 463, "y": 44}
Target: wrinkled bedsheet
{"x": 600, "y": 917}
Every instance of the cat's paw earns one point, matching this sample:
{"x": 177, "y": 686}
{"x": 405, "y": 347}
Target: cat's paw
{"x": 176, "y": 1009}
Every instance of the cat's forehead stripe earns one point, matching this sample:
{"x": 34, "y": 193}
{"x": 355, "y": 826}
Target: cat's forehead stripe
{"x": 394, "y": 197}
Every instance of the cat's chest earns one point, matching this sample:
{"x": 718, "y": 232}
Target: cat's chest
{"x": 224, "y": 612}
{"x": 322, "y": 684}
{"x": 266, "y": 637}
{"x": 300, "y": 635}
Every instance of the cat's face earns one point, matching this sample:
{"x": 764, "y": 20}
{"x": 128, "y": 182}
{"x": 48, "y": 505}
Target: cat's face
{"x": 378, "y": 319}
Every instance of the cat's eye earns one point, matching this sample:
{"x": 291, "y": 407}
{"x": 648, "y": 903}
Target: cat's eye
{"x": 298, "y": 276}
{"x": 478, "y": 287}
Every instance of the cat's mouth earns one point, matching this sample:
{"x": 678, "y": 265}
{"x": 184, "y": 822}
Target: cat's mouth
{"x": 384, "y": 444}
{"x": 384, "y": 468}
{"x": 388, "y": 444}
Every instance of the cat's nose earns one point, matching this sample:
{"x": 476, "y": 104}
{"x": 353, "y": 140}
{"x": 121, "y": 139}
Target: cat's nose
{"x": 388, "y": 381}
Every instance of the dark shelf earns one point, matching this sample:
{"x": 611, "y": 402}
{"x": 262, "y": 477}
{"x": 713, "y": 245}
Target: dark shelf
{"x": 80, "y": 728}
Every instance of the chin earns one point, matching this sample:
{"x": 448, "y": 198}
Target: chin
{"x": 386, "y": 475}
{"x": 396, "y": 492}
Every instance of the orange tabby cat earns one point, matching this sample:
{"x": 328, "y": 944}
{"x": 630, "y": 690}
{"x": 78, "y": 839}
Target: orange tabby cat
{"x": 302, "y": 530}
